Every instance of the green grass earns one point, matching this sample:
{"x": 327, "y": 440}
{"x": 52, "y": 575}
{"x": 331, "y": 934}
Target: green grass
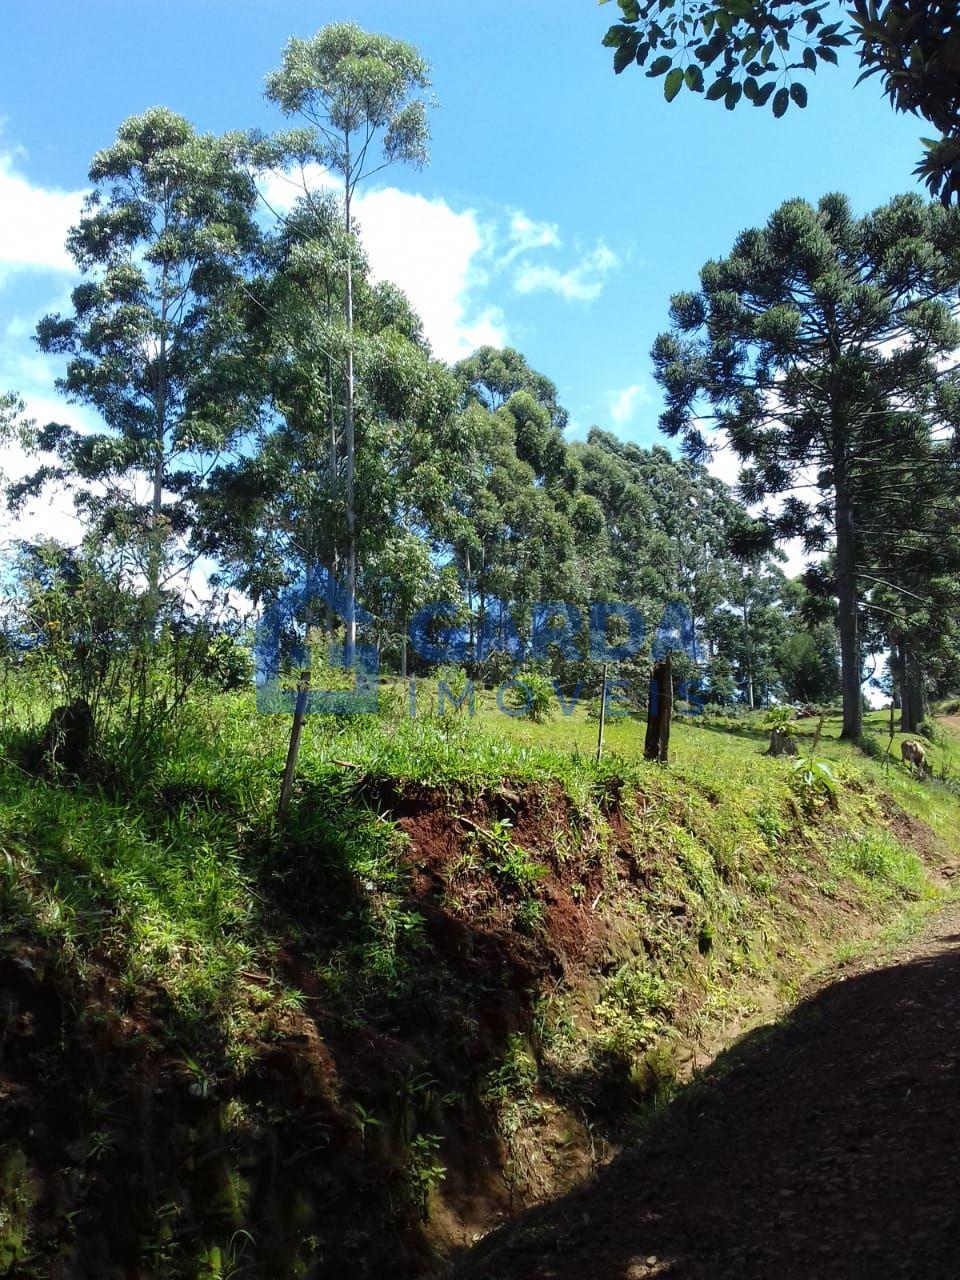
{"x": 163, "y": 873}
{"x": 715, "y": 884}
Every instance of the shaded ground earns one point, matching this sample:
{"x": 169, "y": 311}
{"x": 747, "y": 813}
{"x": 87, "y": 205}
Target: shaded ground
{"x": 827, "y": 1146}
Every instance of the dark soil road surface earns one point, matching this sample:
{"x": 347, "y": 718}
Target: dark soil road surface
{"x": 826, "y": 1146}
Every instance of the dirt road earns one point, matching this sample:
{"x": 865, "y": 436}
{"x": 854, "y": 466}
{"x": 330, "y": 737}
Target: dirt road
{"x": 826, "y": 1146}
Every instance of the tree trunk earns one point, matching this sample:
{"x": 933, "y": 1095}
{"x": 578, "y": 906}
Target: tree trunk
{"x": 847, "y": 618}
{"x": 293, "y": 750}
{"x": 746, "y": 641}
{"x": 898, "y": 663}
{"x": 155, "y": 561}
{"x": 896, "y": 673}
{"x": 332, "y": 480}
{"x": 913, "y": 696}
{"x": 659, "y": 713}
{"x": 469, "y": 586}
{"x": 349, "y": 439}
{"x": 603, "y": 713}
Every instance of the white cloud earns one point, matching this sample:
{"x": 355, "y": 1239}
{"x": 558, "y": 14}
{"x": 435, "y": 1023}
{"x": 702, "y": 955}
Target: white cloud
{"x": 434, "y": 255}
{"x": 443, "y": 258}
{"x": 527, "y": 235}
{"x": 581, "y": 283}
{"x": 624, "y": 404}
{"x": 34, "y": 222}
{"x": 280, "y": 190}
{"x": 52, "y": 515}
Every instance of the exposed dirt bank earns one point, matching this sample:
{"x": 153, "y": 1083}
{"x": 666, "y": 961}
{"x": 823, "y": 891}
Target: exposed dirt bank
{"x": 826, "y": 1146}
{"x": 429, "y": 1043}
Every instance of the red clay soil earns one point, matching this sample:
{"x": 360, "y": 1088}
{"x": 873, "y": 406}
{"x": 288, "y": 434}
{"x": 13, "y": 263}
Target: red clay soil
{"x": 827, "y": 1146}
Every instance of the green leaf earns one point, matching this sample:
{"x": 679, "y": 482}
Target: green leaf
{"x": 673, "y": 84}
{"x": 718, "y": 88}
{"x": 625, "y": 54}
{"x": 616, "y": 35}
{"x": 781, "y": 101}
{"x": 733, "y": 96}
{"x": 694, "y": 78}
{"x": 809, "y": 59}
{"x": 826, "y": 54}
{"x": 659, "y": 65}
{"x": 763, "y": 95}
{"x": 799, "y": 94}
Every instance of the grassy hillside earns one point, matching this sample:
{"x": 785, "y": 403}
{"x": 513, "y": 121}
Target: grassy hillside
{"x": 448, "y": 989}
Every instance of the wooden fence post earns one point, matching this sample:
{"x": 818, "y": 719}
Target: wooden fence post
{"x": 603, "y": 713}
{"x": 659, "y": 712}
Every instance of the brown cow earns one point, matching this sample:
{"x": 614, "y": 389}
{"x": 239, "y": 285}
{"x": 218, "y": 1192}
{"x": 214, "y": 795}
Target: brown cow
{"x": 914, "y": 756}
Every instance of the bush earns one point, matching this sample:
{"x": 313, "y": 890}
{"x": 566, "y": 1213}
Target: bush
{"x": 813, "y": 781}
{"x": 461, "y": 696}
{"x": 531, "y": 695}
{"x": 871, "y": 746}
{"x": 781, "y": 720}
{"x": 85, "y": 631}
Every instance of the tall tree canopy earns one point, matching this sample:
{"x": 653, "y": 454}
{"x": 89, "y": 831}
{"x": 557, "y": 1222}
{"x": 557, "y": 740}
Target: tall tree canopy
{"x": 154, "y": 338}
{"x": 360, "y": 94}
{"x": 823, "y": 348}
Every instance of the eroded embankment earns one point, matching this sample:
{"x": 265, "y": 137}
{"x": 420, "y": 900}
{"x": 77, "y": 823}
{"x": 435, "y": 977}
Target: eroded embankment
{"x": 456, "y": 1004}
{"x": 823, "y": 1145}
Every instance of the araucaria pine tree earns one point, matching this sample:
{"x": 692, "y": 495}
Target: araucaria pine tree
{"x": 819, "y": 339}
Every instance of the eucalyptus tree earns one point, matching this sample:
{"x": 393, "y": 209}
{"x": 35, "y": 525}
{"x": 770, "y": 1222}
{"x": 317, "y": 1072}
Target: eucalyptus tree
{"x": 517, "y": 525}
{"x": 270, "y": 513}
{"x": 275, "y": 508}
{"x": 154, "y": 338}
{"x": 398, "y": 578}
{"x": 822, "y": 348}
{"x": 807, "y": 659}
{"x": 669, "y": 526}
{"x": 360, "y": 94}
{"x": 491, "y": 375}
{"x": 749, "y": 629}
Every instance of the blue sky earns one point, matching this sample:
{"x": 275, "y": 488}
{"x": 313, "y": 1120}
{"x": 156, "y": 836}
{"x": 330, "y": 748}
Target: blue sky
{"x": 562, "y": 207}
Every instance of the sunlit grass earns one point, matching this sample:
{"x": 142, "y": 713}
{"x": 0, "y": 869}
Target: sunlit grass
{"x": 161, "y": 870}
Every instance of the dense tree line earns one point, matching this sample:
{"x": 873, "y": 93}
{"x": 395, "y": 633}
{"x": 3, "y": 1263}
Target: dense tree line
{"x": 270, "y": 409}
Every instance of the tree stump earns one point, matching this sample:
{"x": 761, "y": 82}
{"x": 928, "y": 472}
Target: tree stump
{"x": 66, "y": 739}
{"x": 782, "y": 744}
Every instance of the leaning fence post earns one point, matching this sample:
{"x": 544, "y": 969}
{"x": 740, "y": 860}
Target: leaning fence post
{"x": 603, "y": 713}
